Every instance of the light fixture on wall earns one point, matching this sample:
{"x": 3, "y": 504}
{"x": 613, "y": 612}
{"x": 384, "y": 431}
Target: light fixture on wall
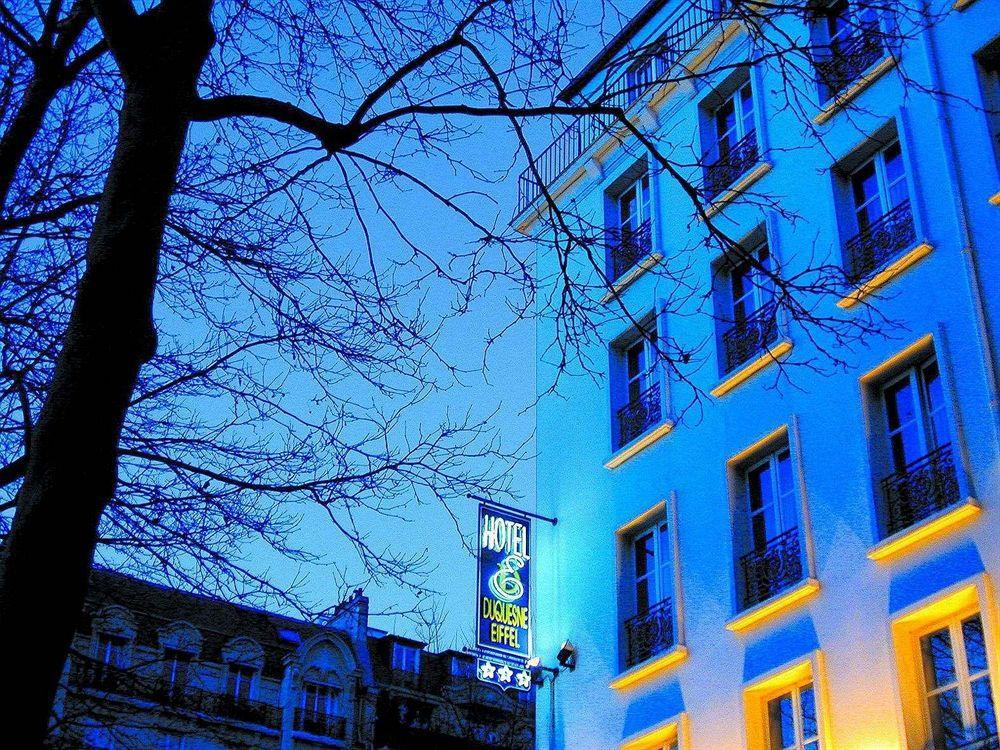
{"x": 567, "y": 656}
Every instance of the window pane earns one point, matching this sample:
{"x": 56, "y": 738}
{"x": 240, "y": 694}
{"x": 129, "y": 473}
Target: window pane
{"x": 864, "y": 184}
{"x": 643, "y": 596}
{"x": 975, "y": 645}
{"x": 938, "y": 658}
{"x": 946, "y": 719}
{"x": 644, "y": 553}
{"x": 781, "y": 722}
{"x": 982, "y": 702}
{"x": 636, "y": 360}
{"x": 893, "y": 157}
{"x": 899, "y": 404}
{"x": 759, "y": 481}
{"x": 809, "y": 725}
{"x": 934, "y": 395}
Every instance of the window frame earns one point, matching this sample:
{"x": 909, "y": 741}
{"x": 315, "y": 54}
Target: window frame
{"x": 744, "y": 122}
{"x": 661, "y": 571}
{"x": 794, "y": 691}
{"x": 883, "y": 191}
{"x": 399, "y": 660}
{"x": 330, "y": 697}
{"x": 924, "y": 416}
{"x": 772, "y": 461}
{"x": 250, "y": 679}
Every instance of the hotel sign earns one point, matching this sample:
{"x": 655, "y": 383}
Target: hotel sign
{"x": 503, "y": 607}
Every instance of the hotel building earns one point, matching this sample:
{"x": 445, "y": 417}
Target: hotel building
{"x": 805, "y": 557}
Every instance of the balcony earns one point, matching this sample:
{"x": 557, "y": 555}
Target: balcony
{"x": 638, "y": 415}
{"x": 879, "y": 243}
{"x": 319, "y": 723}
{"x": 921, "y": 489}
{"x": 625, "y": 252}
{"x": 649, "y": 633}
{"x": 990, "y": 742}
{"x": 751, "y": 337}
{"x": 737, "y": 161}
{"x": 108, "y": 678}
{"x": 772, "y": 569}
{"x": 681, "y": 37}
{"x": 849, "y": 58}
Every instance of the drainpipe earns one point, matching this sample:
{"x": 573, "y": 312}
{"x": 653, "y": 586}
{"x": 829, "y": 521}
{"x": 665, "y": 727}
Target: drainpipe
{"x": 969, "y": 252}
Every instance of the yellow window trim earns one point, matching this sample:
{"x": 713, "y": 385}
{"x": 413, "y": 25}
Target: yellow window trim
{"x": 650, "y": 669}
{"x": 746, "y": 372}
{"x": 634, "y": 273}
{"x": 925, "y": 532}
{"x": 774, "y": 607}
{"x": 655, "y": 738}
{"x": 760, "y": 446}
{"x": 995, "y": 199}
{"x": 737, "y": 188}
{"x": 922, "y": 347}
{"x": 883, "y": 277}
{"x": 639, "y": 444}
{"x": 844, "y": 97}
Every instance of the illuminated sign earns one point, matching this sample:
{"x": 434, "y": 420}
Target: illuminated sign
{"x": 503, "y": 606}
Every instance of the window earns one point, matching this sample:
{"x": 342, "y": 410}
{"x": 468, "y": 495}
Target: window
{"x": 848, "y": 43}
{"x": 319, "y": 699}
{"x": 771, "y": 560}
{"x": 989, "y": 78}
{"x": 881, "y": 213}
{"x": 791, "y": 720}
{"x": 111, "y": 649}
{"x": 239, "y": 681}
{"x": 734, "y": 144}
{"x": 748, "y": 316}
{"x": 176, "y": 664}
{"x": 637, "y": 387}
{"x": 631, "y": 239}
{"x": 650, "y": 629}
{"x": 957, "y": 686}
{"x": 405, "y": 658}
{"x": 918, "y": 474}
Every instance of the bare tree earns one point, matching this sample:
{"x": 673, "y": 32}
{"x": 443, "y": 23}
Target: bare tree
{"x": 241, "y": 129}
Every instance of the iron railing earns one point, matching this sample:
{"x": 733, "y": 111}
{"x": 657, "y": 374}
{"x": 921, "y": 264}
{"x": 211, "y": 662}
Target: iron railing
{"x": 849, "y": 58}
{"x": 126, "y": 682}
{"x": 639, "y": 415}
{"x": 920, "y": 489}
{"x": 319, "y": 723}
{"x": 771, "y": 569}
{"x": 751, "y": 336}
{"x": 626, "y": 251}
{"x": 879, "y": 243}
{"x": 732, "y": 165}
{"x": 680, "y": 38}
{"x": 983, "y": 742}
{"x": 649, "y": 633}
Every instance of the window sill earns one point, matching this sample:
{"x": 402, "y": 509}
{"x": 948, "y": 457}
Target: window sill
{"x": 773, "y": 607}
{"x": 924, "y": 532}
{"x": 995, "y": 199}
{"x": 962, "y": 4}
{"x": 629, "y": 277}
{"x": 737, "y": 188}
{"x": 844, "y": 97}
{"x": 650, "y": 668}
{"x": 883, "y": 277}
{"x": 751, "y": 368}
{"x": 642, "y": 442}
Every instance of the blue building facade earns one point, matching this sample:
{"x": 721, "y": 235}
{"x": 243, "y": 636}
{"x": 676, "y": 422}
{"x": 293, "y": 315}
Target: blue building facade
{"x": 789, "y": 540}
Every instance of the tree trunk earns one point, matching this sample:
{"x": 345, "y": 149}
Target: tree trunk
{"x": 72, "y": 458}
{"x": 25, "y": 125}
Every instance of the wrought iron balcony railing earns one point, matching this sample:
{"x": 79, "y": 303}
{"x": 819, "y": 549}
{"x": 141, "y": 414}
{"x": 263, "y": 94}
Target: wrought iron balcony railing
{"x": 750, "y": 337}
{"x": 772, "y": 569}
{"x": 883, "y": 240}
{"x": 921, "y": 489}
{"x": 626, "y": 250}
{"x": 982, "y": 742}
{"x": 639, "y": 415}
{"x": 649, "y": 633}
{"x": 126, "y": 682}
{"x": 319, "y": 723}
{"x": 681, "y": 37}
{"x": 732, "y": 165}
{"x": 849, "y": 58}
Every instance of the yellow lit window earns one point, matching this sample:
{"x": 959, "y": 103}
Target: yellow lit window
{"x": 783, "y": 710}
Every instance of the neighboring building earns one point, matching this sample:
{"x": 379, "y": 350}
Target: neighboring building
{"x": 804, "y": 562}
{"x": 157, "y": 668}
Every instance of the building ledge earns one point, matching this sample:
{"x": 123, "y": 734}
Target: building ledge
{"x": 642, "y": 442}
{"x": 774, "y": 606}
{"x": 884, "y": 276}
{"x": 650, "y": 668}
{"x": 962, "y": 4}
{"x": 995, "y": 199}
{"x": 631, "y": 275}
{"x": 737, "y": 188}
{"x": 844, "y": 98}
{"x": 751, "y": 368}
{"x": 930, "y": 529}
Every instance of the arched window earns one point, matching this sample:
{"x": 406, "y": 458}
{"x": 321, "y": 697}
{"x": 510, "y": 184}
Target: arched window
{"x": 244, "y": 658}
